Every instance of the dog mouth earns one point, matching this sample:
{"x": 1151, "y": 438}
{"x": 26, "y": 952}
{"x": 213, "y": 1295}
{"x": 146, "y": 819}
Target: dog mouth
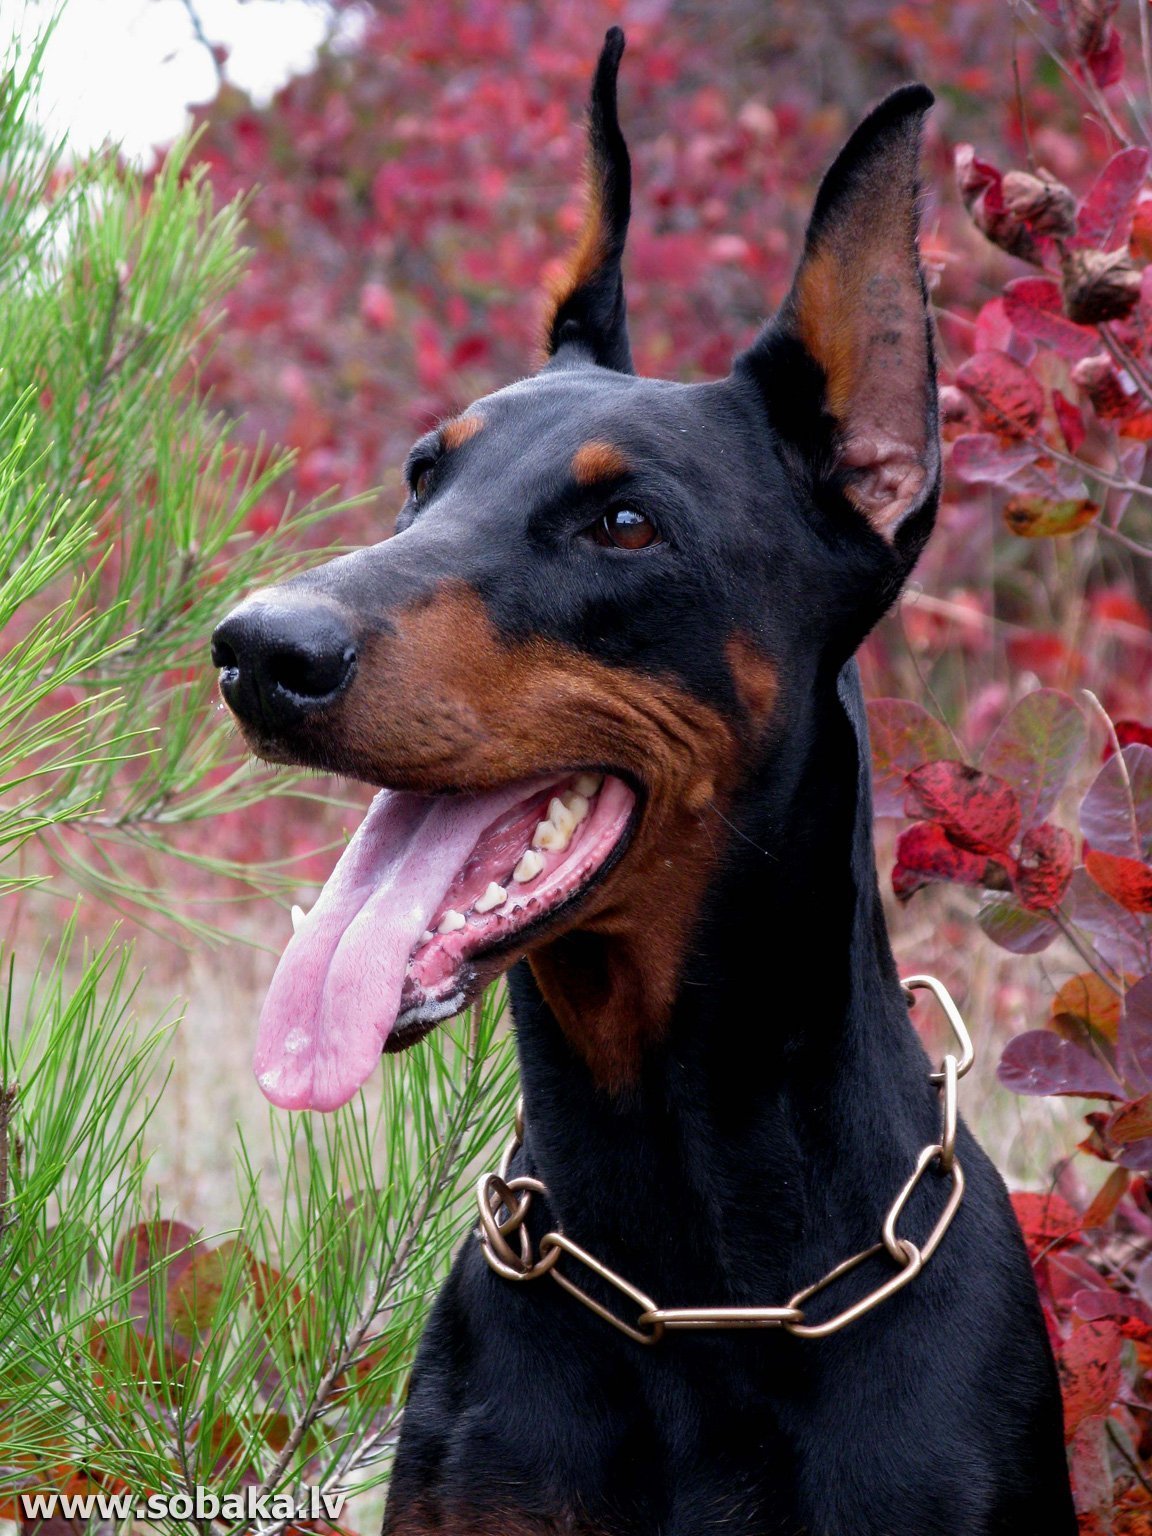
{"x": 434, "y": 895}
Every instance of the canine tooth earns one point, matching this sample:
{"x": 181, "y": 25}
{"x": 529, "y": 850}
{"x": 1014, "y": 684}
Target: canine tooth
{"x": 425, "y": 938}
{"x": 577, "y": 805}
{"x": 451, "y": 921}
{"x": 530, "y": 865}
{"x": 298, "y": 916}
{"x": 550, "y": 837}
{"x": 494, "y": 896}
{"x": 587, "y": 784}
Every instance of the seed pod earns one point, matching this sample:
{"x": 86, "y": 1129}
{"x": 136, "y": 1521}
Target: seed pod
{"x": 1099, "y": 285}
{"x": 1043, "y": 203}
{"x": 981, "y": 187}
{"x": 1089, "y": 23}
{"x": 1098, "y": 378}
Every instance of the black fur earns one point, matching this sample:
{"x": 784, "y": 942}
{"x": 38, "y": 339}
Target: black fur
{"x": 591, "y": 324}
{"x": 785, "y": 1105}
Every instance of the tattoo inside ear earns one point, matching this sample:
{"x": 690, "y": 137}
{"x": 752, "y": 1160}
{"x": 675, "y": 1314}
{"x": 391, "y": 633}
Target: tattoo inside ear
{"x": 857, "y": 310}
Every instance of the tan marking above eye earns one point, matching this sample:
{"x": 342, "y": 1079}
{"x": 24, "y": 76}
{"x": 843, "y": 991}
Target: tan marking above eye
{"x": 455, "y": 433}
{"x": 597, "y": 460}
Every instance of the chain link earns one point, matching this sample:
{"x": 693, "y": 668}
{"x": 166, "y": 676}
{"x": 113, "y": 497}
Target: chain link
{"x": 504, "y": 1203}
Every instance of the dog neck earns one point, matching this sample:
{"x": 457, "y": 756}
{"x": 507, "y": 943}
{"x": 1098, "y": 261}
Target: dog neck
{"x": 775, "y": 1120}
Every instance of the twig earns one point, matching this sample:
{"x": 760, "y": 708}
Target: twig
{"x": 8, "y": 1096}
{"x": 1143, "y": 550}
{"x": 1018, "y": 86}
{"x": 1121, "y": 355}
{"x": 1118, "y": 753}
{"x": 1091, "y": 960}
{"x": 204, "y": 40}
{"x": 1114, "y": 1436}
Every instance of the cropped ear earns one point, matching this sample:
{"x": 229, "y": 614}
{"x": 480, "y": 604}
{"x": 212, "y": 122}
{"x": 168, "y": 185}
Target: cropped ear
{"x": 587, "y": 301}
{"x": 847, "y": 368}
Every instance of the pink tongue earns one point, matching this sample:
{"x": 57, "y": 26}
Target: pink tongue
{"x": 336, "y": 992}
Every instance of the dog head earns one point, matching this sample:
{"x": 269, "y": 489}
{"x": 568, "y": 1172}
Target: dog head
{"x": 602, "y": 593}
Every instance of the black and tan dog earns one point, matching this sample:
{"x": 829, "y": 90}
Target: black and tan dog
{"x": 605, "y": 670}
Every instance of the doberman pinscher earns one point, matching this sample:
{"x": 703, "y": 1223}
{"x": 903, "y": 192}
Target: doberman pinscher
{"x": 605, "y": 668}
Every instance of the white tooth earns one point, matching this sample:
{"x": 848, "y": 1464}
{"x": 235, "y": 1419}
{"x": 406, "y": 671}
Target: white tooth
{"x": 450, "y": 922}
{"x": 577, "y": 805}
{"x": 587, "y": 784}
{"x": 425, "y": 938}
{"x": 494, "y": 896}
{"x": 298, "y": 916}
{"x": 560, "y": 816}
{"x": 529, "y": 867}
{"x": 550, "y": 837}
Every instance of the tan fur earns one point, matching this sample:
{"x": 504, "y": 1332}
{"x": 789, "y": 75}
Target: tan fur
{"x": 586, "y": 257}
{"x": 755, "y": 677}
{"x": 454, "y": 433}
{"x": 595, "y": 461}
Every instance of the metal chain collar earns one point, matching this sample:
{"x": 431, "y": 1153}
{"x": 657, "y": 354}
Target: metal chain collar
{"x": 504, "y": 1203}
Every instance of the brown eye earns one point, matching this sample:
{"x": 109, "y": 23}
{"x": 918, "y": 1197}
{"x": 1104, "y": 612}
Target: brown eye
{"x": 625, "y": 528}
{"x": 421, "y": 480}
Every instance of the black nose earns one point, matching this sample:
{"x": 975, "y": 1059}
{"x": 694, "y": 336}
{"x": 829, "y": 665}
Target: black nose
{"x": 281, "y": 659}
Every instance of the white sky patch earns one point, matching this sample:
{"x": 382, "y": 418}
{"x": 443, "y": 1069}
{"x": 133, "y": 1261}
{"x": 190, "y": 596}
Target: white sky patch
{"x": 126, "y": 71}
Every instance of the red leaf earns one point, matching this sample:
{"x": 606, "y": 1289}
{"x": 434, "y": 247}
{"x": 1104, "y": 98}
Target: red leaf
{"x": 1086, "y": 1003}
{"x": 979, "y": 811}
{"x": 141, "y": 1247}
{"x": 1132, "y": 1121}
{"x": 1035, "y": 307}
{"x": 925, "y": 854}
{"x": 1134, "y": 1037}
{"x": 984, "y": 458}
{"x": 1106, "y": 64}
{"x": 1013, "y": 927}
{"x": 1089, "y": 1364}
{"x": 1039, "y": 1063}
{"x": 1116, "y": 813}
{"x": 1071, "y": 422}
{"x": 903, "y": 735}
{"x": 1128, "y": 881}
{"x": 1104, "y": 1204}
{"x": 1040, "y": 517}
{"x": 1042, "y": 652}
{"x": 1007, "y": 395}
{"x": 1105, "y": 218}
{"x": 1140, "y": 240}
{"x": 1034, "y": 749}
{"x": 1046, "y": 1220}
{"x": 1044, "y": 867}
{"x": 1129, "y": 731}
{"x": 1131, "y": 1315}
